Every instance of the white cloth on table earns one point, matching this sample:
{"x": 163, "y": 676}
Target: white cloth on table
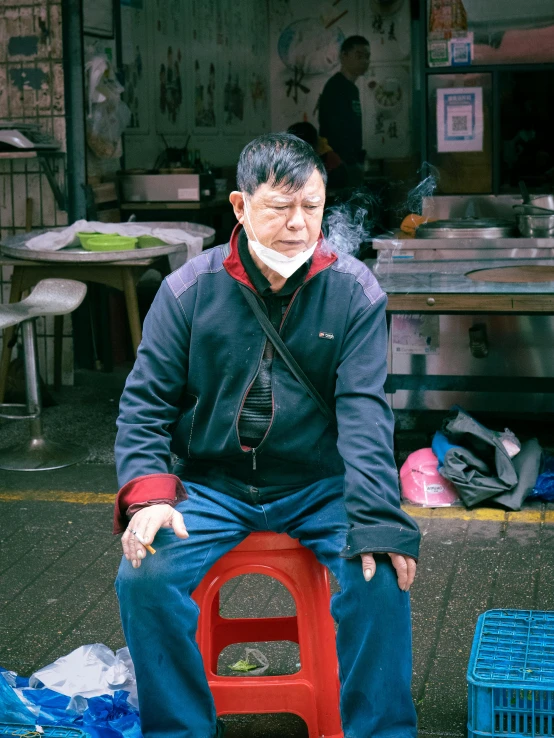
{"x": 55, "y": 240}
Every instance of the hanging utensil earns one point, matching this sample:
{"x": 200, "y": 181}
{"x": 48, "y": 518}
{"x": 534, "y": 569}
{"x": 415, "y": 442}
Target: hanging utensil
{"x": 524, "y": 192}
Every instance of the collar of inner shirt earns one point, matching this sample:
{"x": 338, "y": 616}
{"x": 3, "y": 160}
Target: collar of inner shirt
{"x": 261, "y": 283}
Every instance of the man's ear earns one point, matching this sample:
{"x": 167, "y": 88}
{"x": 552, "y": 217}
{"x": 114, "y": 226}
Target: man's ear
{"x": 236, "y": 198}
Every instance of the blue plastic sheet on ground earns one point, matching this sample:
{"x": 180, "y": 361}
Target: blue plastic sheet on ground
{"x": 106, "y": 716}
{"x": 12, "y": 709}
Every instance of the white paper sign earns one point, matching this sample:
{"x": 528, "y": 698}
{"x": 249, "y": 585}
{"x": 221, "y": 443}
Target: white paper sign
{"x": 416, "y": 334}
{"x": 460, "y": 50}
{"x": 460, "y": 119}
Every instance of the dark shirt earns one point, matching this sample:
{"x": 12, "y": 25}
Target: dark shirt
{"x": 340, "y": 118}
{"x": 257, "y": 410}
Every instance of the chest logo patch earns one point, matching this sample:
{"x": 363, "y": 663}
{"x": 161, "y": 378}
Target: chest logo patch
{"x": 328, "y": 336}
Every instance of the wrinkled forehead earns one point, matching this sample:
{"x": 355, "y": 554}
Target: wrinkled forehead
{"x": 313, "y": 191}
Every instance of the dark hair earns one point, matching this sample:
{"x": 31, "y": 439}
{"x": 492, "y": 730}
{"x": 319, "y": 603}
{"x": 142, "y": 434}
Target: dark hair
{"x": 349, "y": 43}
{"x": 280, "y": 159}
{"x": 306, "y": 131}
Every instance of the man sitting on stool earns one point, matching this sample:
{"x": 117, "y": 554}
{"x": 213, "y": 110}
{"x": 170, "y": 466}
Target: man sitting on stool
{"x": 257, "y": 453}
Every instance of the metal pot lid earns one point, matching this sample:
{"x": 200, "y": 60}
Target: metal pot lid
{"x": 467, "y": 228}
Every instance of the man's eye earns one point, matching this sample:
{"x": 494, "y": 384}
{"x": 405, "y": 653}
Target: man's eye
{"x": 281, "y": 207}
{"x": 311, "y": 207}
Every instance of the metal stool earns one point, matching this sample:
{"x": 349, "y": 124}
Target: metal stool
{"x": 49, "y": 297}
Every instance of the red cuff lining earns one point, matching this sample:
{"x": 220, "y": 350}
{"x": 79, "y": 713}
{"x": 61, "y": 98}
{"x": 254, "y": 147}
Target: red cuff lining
{"x": 143, "y": 489}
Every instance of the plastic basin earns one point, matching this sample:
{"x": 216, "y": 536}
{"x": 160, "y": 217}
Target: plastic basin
{"x": 146, "y": 242}
{"x": 100, "y": 242}
{"x": 84, "y": 237}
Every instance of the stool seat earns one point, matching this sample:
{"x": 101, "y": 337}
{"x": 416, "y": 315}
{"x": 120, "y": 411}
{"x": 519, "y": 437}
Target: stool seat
{"x": 49, "y": 297}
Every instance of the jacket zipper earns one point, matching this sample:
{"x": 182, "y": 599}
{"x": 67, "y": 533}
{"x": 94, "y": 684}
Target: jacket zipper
{"x": 293, "y": 298}
{"x": 254, "y": 450}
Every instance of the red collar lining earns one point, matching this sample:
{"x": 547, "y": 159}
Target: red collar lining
{"x": 234, "y": 267}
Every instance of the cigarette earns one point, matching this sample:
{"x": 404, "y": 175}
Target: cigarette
{"x": 140, "y": 539}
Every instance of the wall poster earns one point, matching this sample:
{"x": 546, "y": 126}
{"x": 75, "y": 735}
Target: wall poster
{"x": 205, "y": 21}
{"x": 387, "y": 120}
{"x": 305, "y": 52}
{"x": 389, "y": 29}
{"x": 460, "y": 119}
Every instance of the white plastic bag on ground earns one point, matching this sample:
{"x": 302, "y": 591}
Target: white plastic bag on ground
{"x": 90, "y": 671}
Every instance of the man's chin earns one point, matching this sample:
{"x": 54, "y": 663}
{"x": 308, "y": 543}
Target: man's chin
{"x": 289, "y": 251}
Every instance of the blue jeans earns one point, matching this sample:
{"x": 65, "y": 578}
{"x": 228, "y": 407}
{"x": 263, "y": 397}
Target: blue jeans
{"x": 160, "y": 618}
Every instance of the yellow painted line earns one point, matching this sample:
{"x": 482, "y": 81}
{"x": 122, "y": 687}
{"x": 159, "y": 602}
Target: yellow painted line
{"x": 443, "y": 513}
{"x": 480, "y": 513}
{"x": 46, "y": 495}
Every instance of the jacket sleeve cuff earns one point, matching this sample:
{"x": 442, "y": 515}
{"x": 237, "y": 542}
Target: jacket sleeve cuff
{"x": 382, "y": 539}
{"x": 164, "y": 487}
{"x": 136, "y": 506}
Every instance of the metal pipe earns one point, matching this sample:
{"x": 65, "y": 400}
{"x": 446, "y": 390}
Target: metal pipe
{"x": 32, "y": 386}
{"x": 72, "y": 33}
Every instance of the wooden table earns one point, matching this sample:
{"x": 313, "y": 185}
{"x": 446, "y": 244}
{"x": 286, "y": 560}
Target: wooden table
{"x": 121, "y": 275}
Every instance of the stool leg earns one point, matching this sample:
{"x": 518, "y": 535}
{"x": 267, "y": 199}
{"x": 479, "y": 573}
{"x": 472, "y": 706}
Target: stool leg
{"x": 38, "y": 453}
{"x": 58, "y": 350}
{"x": 15, "y": 295}
{"x": 32, "y": 385}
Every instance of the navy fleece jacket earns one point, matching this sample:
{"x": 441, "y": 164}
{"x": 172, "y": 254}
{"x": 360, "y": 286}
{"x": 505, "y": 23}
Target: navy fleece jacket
{"x": 199, "y": 355}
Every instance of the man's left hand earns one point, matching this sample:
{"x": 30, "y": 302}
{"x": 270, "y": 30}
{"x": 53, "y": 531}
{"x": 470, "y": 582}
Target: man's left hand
{"x": 405, "y": 568}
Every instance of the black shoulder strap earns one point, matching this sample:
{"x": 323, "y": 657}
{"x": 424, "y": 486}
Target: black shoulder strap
{"x": 286, "y": 355}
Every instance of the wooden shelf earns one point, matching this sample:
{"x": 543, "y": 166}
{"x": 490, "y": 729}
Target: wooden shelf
{"x": 214, "y": 204}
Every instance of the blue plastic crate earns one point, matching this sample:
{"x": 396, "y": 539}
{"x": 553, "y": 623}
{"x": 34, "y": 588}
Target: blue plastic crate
{"x": 49, "y": 731}
{"x": 511, "y": 675}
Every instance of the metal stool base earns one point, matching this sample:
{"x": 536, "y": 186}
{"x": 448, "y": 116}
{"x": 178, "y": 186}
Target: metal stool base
{"x": 40, "y": 454}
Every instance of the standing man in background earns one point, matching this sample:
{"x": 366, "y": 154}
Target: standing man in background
{"x": 340, "y": 111}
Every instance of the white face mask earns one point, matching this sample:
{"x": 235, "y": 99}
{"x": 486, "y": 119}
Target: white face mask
{"x": 280, "y": 263}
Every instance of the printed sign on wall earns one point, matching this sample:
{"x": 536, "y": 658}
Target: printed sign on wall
{"x": 387, "y": 121}
{"x": 460, "y": 119}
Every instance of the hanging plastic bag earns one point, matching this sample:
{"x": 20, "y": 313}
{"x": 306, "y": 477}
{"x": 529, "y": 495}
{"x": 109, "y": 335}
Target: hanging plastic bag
{"x": 108, "y": 115}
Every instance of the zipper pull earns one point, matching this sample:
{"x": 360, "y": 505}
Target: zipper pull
{"x": 254, "y": 459}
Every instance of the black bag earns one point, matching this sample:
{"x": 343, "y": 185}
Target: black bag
{"x": 479, "y": 465}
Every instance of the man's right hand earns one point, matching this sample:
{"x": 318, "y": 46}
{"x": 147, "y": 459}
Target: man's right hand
{"x": 146, "y": 523}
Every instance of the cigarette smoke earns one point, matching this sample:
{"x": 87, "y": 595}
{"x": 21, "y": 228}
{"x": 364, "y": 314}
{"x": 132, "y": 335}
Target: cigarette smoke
{"x": 429, "y": 176}
{"x": 348, "y": 225}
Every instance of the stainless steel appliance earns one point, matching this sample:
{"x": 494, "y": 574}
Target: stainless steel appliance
{"x": 166, "y": 187}
{"x": 518, "y": 346}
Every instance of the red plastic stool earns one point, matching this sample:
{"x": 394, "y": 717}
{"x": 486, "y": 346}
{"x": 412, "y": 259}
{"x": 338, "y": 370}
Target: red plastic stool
{"x": 313, "y": 692}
